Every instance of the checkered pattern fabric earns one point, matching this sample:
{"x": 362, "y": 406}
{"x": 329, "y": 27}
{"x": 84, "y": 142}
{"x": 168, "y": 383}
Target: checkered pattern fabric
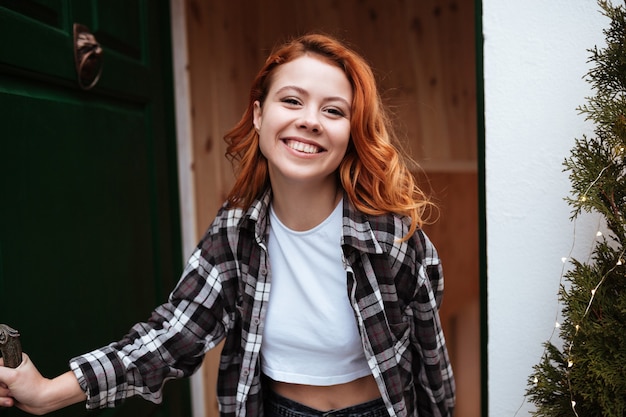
{"x": 395, "y": 288}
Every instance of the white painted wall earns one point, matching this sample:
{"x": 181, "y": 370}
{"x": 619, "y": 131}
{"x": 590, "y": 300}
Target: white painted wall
{"x": 535, "y": 57}
{"x": 186, "y": 183}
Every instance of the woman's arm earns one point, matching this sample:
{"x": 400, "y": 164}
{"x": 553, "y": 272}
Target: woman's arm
{"x": 25, "y": 388}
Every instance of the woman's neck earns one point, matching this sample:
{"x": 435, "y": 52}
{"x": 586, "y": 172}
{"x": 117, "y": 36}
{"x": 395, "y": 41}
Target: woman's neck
{"x": 302, "y": 208}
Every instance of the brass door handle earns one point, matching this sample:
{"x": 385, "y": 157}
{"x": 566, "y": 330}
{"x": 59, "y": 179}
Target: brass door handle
{"x": 87, "y": 57}
{"x": 10, "y": 346}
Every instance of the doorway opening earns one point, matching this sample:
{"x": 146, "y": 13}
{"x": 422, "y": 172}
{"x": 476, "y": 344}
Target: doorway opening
{"x": 424, "y": 55}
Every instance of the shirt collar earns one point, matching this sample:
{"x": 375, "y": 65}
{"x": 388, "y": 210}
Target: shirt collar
{"x": 357, "y": 231}
{"x": 256, "y": 217}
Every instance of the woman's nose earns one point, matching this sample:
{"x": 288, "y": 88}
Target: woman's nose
{"x": 309, "y": 120}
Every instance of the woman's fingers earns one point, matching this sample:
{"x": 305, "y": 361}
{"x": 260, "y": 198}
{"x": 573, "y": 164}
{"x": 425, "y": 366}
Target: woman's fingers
{"x": 5, "y": 394}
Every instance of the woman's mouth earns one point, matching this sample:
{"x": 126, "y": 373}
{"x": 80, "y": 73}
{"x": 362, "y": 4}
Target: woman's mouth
{"x": 303, "y": 147}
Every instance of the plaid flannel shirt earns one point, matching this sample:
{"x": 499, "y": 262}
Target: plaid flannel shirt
{"x": 395, "y": 289}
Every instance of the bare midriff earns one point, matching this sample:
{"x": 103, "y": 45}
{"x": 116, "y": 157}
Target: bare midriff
{"x": 332, "y": 397}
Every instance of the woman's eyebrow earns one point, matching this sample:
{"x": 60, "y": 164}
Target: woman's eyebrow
{"x": 304, "y": 92}
{"x": 295, "y": 88}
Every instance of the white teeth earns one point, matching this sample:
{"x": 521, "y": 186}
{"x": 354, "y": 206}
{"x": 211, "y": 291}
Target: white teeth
{"x": 302, "y": 147}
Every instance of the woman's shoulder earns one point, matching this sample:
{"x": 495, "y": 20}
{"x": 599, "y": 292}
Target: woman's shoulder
{"x": 391, "y": 229}
{"x": 230, "y": 223}
{"x": 388, "y": 226}
{"x": 227, "y": 217}
{"x": 233, "y": 217}
{"x": 224, "y": 226}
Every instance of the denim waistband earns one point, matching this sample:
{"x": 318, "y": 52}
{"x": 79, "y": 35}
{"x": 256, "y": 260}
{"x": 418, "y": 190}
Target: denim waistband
{"x": 279, "y": 406}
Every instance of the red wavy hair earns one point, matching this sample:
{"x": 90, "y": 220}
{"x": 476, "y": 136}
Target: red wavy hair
{"x": 374, "y": 173}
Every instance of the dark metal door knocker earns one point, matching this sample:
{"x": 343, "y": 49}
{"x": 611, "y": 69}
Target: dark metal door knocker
{"x": 87, "y": 57}
{"x": 10, "y": 346}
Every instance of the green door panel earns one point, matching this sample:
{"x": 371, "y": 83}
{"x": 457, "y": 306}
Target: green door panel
{"x": 46, "y": 49}
{"x": 89, "y": 229}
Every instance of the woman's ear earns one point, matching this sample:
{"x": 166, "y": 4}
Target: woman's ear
{"x": 257, "y": 115}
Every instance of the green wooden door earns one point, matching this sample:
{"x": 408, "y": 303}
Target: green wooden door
{"x": 89, "y": 233}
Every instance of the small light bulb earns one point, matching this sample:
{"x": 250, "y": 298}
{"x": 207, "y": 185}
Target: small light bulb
{"x": 583, "y": 198}
{"x": 577, "y": 327}
{"x": 599, "y": 234}
{"x": 573, "y": 403}
{"x": 619, "y": 261}
{"x": 536, "y": 380}
{"x": 593, "y": 292}
{"x": 564, "y": 259}
{"x": 570, "y": 363}
{"x": 557, "y": 324}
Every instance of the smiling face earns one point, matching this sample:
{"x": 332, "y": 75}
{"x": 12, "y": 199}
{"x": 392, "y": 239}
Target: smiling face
{"x": 304, "y": 122}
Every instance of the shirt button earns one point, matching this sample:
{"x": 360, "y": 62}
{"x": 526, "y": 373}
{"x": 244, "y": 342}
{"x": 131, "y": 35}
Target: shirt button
{"x": 256, "y": 321}
{"x": 263, "y": 270}
{"x": 245, "y": 372}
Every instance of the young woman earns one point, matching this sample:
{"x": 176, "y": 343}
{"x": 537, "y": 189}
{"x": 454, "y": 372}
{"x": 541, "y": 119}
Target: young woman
{"x": 315, "y": 272}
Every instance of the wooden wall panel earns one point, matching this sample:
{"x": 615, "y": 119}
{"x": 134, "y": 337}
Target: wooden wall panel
{"x": 422, "y": 52}
{"x": 455, "y": 236}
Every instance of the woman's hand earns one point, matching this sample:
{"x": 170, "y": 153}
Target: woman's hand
{"x": 25, "y": 388}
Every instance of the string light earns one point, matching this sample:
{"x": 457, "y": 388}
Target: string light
{"x": 584, "y": 195}
{"x": 620, "y": 261}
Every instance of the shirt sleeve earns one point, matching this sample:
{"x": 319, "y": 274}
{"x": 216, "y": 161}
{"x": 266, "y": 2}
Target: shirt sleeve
{"x": 170, "y": 344}
{"x": 436, "y": 391}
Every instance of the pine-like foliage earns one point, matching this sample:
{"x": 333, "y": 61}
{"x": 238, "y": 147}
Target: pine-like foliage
{"x": 586, "y": 377}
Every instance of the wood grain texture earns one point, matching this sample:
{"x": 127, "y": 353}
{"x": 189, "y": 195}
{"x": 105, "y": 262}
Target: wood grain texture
{"x": 423, "y": 55}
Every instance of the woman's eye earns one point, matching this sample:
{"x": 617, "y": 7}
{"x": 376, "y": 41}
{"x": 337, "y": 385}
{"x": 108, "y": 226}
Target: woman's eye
{"x": 335, "y": 112}
{"x": 291, "y": 101}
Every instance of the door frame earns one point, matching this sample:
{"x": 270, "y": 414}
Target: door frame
{"x": 182, "y": 107}
{"x": 187, "y": 187}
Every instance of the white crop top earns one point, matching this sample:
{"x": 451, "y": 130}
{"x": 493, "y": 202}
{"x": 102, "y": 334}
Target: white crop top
{"x": 310, "y": 334}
